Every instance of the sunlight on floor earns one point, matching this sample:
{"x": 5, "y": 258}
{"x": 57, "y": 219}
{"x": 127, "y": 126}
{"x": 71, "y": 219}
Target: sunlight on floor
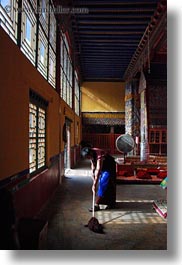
{"x": 78, "y": 172}
{"x": 119, "y": 216}
{"x": 129, "y": 217}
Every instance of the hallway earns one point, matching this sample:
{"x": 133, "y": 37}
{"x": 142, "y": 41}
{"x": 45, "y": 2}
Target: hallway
{"x": 132, "y": 225}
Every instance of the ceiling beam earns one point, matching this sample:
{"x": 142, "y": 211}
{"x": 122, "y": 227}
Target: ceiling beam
{"x": 155, "y": 30}
{"x": 114, "y": 3}
{"x": 118, "y": 21}
{"x": 111, "y": 32}
{"x": 113, "y": 16}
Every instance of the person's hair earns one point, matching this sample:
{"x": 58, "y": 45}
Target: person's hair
{"x": 87, "y": 151}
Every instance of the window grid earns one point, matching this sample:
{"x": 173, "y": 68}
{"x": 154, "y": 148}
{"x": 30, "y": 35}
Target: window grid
{"x": 33, "y": 4}
{"x": 52, "y": 67}
{"x": 9, "y": 17}
{"x": 37, "y": 136}
{"x": 28, "y": 48}
{"x": 41, "y": 137}
{"x": 46, "y": 38}
{"x": 42, "y": 53}
{"x": 44, "y": 15}
{"x": 31, "y": 17}
{"x": 52, "y": 32}
{"x": 77, "y": 95}
{"x": 66, "y": 72}
{"x": 32, "y": 137}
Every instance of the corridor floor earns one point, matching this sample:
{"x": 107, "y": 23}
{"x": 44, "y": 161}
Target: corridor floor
{"x": 132, "y": 225}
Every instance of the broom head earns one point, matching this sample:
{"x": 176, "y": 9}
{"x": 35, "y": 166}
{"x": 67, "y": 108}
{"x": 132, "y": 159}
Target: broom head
{"x": 94, "y": 226}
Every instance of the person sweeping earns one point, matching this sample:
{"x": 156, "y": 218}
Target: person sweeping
{"x": 103, "y": 168}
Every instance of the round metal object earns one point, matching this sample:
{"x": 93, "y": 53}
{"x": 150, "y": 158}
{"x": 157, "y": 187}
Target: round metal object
{"x": 125, "y": 143}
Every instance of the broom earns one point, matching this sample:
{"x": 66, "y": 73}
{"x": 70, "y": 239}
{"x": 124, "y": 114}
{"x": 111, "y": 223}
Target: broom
{"x": 93, "y": 223}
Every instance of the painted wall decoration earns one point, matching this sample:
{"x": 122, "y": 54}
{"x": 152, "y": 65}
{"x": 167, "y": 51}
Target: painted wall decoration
{"x": 142, "y": 82}
{"x": 103, "y": 121}
{"x": 103, "y": 118}
{"x": 132, "y": 108}
{"x": 144, "y": 148}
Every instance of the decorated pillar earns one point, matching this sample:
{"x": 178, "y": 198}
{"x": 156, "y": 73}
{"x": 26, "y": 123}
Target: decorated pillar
{"x": 132, "y": 116}
{"x": 144, "y": 146}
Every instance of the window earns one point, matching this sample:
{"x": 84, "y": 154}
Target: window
{"x": 66, "y": 72}
{"x": 42, "y": 52}
{"x": 52, "y": 67}
{"x": 43, "y": 8}
{"x": 9, "y": 17}
{"x": 77, "y": 95}
{"x": 28, "y": 25}
{"x": 5, "y": 3}
{"x": 52, "y": 50}
{"x": 28, "y": 31}
{"x": 52, "y": 31}
{"x": 44, "y": 16}
{"x": 32, "y": 26}
{"x": 37, "y": 133}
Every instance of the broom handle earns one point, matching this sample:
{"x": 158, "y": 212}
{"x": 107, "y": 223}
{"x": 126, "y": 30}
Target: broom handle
{"x": 93, "y": 205}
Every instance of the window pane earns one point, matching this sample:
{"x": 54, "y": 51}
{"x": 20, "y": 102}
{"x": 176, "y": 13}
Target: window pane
{"x": 5, "y": 3}
{"x": 32, "y": 137}
{"x": 52, "y": 68}
{"x": 41, "y": 138}
{"x": 29, "y": 27}
{"x": 52, "y": 32}
{"x": 9, "y": 17}
{"x": 44, "y": 16}
{"x": 42, "y": 58}
{"x": 43, "y": 8}
{"x": 28, "y": 31}
{"x": 42, "y": 53}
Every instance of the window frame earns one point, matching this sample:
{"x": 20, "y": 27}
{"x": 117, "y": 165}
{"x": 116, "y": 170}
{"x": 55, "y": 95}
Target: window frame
{"x": 77, "y": 95}
{"x": 28, "y": 48}
{"x": 66, "y": 68}
{"x": 9, "y": 19}
{"x": 40, "y": 104}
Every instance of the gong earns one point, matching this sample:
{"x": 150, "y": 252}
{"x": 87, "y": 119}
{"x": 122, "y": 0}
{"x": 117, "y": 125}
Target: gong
{"x": 125, "y": 144}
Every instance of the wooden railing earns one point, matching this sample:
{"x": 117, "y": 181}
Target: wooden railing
{"x": 105, "y": 141}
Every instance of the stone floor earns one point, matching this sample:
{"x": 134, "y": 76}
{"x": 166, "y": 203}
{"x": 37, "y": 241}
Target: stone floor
{"x": 132, "y": 225}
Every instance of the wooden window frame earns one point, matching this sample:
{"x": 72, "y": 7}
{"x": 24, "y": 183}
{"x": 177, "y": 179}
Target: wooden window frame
{"x": 36, "y": 137}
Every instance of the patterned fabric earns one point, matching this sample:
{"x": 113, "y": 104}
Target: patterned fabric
{"x": 107, "y": 182}
{"x": 104, "y": 121}
{"x": 143, "y": 174}
{"x": 163, "y": 184}
{"x": 103, "y": 183}
{"x": 161, "y": 207}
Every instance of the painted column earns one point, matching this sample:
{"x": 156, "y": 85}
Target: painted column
{"x": 132, "y": 107}
{"x": 144, "y": 146}
{"x": 128, "y": 108}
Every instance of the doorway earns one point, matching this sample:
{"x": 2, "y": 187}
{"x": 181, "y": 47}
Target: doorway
{"x": 67, "y": 147}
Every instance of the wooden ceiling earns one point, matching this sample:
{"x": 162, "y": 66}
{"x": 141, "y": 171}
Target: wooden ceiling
{"x": 108, "y": 35}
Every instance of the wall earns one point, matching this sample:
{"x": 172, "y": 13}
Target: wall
{"x": 17, "y": 77}
{"x": 14, "y": 109}
{"x": 103, "y": 97}
{"x": 157, "y": 105}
